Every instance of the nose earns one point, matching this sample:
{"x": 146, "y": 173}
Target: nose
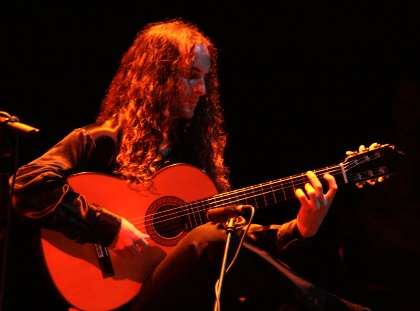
{"x": 200, "y": 86}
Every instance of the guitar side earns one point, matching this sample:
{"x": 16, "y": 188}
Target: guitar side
{"x": 75, "y": 269}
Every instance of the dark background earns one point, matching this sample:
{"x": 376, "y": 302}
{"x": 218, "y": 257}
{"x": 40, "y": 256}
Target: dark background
{"x": 302, "y": 82}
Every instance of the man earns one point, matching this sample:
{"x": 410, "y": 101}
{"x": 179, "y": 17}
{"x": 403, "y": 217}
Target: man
{"x": 162, "y": 108}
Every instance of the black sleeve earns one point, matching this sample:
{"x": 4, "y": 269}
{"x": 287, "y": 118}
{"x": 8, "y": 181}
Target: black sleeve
{"x": 42, "y": 196}
{"x": 276, "y": 237}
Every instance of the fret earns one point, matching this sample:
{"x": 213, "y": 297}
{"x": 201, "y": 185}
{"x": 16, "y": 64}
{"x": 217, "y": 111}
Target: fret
{"x": 273, "y": 192}
{"x": 203, "y": 212}
{"x": 267, "y": 194}
{"x": 201, "y": 217}
{"x": 194, "y": 207}
{"x": 189, "y": 223}
{"x": 258, "y": 194}
{"x": 254, "y": 197}
{"x": 263, "y": 195}
{"x": 293, "y": 185}
{"x": 304, "y": 179}
{"x": 237, "y": 198}
{"x": 284, "y": 192}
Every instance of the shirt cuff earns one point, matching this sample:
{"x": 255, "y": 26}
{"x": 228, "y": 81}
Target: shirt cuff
{"x": 288, "y": 234}
{"x": 107, "y": 227}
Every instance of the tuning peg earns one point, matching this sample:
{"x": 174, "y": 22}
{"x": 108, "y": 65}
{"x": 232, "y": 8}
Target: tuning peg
{"x": 360, "y": 184}
{"x": 379, "y": 179}
{"x": 362, "y": 149}
{"x": 382, "y": 178}
{"x": 374, "y": 146}
{"x": 371, "y": 181}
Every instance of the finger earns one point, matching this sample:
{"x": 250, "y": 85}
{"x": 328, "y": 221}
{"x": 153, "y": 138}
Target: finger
{"x": 130, "y": 251}
{"x": 316, "y": 184}
{"x": 301, "y": 196}
{"x": 314, "y": 180}
{"x": 142, "y": 242}
{"x": 332, "y": 185}
{"x": 135, "y": 249}
{"x": 310, "y": 191}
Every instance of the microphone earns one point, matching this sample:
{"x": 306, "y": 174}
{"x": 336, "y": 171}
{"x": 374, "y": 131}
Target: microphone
{"x": 17, "y": 127}
{"x": 221, "y": 214}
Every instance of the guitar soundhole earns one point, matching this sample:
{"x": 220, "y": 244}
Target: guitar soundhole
{"x": 165, "y": 221}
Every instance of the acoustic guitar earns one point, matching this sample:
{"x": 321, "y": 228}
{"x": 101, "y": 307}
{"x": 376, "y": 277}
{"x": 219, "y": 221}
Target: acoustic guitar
{"x": 90, "y": 277}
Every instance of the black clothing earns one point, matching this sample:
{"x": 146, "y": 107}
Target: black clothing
{"x": 43, "y": 198}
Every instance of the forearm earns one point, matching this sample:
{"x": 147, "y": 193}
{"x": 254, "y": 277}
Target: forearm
{"x": 42, "y": 197}
{"x": 276, "y": 238}
{"x": 53, "y": 205}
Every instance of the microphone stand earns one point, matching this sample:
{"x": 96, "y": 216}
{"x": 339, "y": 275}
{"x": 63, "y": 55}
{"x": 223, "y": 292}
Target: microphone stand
{"x": 230, "y": 228}
{"x": 10, "y": 129}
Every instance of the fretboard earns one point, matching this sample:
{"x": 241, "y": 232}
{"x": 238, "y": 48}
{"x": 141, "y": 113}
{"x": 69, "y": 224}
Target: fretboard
{"x": 259, "y": 195}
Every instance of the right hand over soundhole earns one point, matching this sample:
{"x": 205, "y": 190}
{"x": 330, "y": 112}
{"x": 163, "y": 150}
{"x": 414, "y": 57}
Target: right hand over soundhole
{"x": 129, "y": 241}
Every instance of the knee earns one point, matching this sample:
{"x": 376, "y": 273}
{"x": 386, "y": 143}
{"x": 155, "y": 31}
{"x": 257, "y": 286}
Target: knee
{"x": 208, "y": 240}
{"x": 207, "y": 233}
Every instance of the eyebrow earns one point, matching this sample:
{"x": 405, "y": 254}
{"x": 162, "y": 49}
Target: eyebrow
{"x": 197, "y": 70}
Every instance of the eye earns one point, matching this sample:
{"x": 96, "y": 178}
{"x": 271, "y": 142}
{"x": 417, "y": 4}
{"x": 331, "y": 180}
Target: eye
{"x": 194, "y": 75}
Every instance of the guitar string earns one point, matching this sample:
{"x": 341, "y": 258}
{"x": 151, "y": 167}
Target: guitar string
{"x": 172, "y": 226}
{"x": 285, "y": 185}
{"x": 178, "y": 209}
{"x": 273, "y": 185}
{"x": 172, "y": 229}
{"x": 219, "y": 198}
{"x": 169, "y": 231}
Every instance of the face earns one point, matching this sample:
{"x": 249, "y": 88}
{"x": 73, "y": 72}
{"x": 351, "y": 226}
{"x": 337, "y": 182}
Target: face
{"x": 193, "y": 83}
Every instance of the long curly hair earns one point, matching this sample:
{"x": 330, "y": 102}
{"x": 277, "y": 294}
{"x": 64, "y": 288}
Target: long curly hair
{"x": 146, "y": 89}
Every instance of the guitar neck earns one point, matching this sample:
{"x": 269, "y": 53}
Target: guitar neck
{"x": 260, "y": 195}
{"x": 273, "y": 192}
{"x": 357, "y": 168}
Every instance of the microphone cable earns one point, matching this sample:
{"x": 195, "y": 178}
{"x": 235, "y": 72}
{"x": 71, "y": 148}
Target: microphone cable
{"x": 217, "y": 287}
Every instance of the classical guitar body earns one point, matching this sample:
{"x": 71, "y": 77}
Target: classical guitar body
{"x": 76, "y": 269}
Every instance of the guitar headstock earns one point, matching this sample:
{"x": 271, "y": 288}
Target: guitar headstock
{"x": 368, "y": 165}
